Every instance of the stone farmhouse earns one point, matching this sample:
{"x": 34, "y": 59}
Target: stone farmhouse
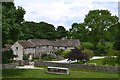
{"x": 36, "y": 47}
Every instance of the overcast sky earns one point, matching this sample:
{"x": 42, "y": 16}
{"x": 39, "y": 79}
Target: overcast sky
{"x": 63, "y": 12}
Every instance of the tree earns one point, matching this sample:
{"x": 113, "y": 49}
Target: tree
{"x": 78, "y": 31}
{"x": 39, "y": 30}
{"x": 11, "y": 21}
{"x": 98, "y": 22}
{"x": 116, "y": 44}
{"x": 7, "y": 56}
{"x": 61, "y": 32}
{"x": 77, "y": 54}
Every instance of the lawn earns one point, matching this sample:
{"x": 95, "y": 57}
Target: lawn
{"x": 40, "y": 73}
{"x": 97, "y": 61}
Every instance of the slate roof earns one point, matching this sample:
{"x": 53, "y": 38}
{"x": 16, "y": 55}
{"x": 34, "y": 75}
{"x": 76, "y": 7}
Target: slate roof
{"x": 57, "y": 43}
{"x": 40, "y": 42}
{"x": 67, "y": 42}
{"x": 44, "y": 42}
{"x": 26, "y": 44}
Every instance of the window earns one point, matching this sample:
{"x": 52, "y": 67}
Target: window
{"x": 17, "y": 48}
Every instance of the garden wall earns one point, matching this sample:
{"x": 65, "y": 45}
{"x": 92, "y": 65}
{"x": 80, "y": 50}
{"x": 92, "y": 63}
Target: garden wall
{"x": 9, "y": 66}
{"x": 68, "y": 65}
{"x": 89, "y": 67}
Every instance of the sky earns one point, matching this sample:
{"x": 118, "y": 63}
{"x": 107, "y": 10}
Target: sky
{"x": 63, "y": 12}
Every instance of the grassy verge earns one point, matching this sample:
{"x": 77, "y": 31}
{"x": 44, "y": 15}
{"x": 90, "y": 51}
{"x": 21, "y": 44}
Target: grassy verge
{"x": 41, "y": 73}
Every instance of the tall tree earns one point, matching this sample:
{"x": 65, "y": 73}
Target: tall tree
{"x": 116, "y": 44}
{"x": 11, "y": 20}
{"x": 98, "y": 22}
{"x": 78, "y": 31}
{"x": 61, "y": 32}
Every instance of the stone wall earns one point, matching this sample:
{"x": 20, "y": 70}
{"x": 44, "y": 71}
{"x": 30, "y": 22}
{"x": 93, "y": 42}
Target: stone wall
{"x": 89, "y": 67}
{"x": 9, "y": 66}
{"x": 67, "y": 65}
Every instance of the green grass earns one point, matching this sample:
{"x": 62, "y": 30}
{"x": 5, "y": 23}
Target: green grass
{"x": 74, "y": 73}
{"x": 97, "y": 61}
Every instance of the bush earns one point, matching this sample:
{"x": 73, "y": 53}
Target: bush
{"x": 101, "y": 51}
{"x": 116, "y": 45}
{"x": 112, "y": 61}
{"x": 25, "y": 57}
{"x": 65, "y": 53}
{"x": 112, "y": 52}
{"x": 43, "y": 55}
{"x": 7, "y": 56}
{"x": 87, "y": 45}
{"x": 88, "y": 52}
{"x": 59, "y": 52}
{"x": 48, "y": 56}
{"x": 112, "y": 57}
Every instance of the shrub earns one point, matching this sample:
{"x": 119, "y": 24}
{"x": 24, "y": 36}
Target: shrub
{"x": 65, "y": 53}
{"x": 48, "y": 56}
{"x": 59, "y": 52}
{"x": 112, "y": 57}
{"x": 87, "y": 45}
{"x": 25, "y": 57}
{"x": 43, "y": 55}
{"x": 7, "y": 56}
{"x": 112, "y": 52}
{"x": 110, "y": 60}
{"x": 88, "y": 52}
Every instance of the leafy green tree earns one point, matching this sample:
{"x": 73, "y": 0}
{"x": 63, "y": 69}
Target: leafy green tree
{"x": 98, "y": 22}
{"x": 39, "y": 30}
{"x": 116, "y": 44}
{"x": 78, "y": 31}
{"x": 61, "y": 32}
{"x": 11, "y": 21}
{"x": 7, "y": 56}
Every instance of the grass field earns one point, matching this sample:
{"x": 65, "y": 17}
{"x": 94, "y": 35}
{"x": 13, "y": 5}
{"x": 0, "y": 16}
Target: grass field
{"x": 40, "y": 73}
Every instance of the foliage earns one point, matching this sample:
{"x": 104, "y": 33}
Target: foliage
{"x": 112, "y": 58}
{"x": 11, "y": 22}
{"x": 116, "y": 44}
{"x": 98, "y": 23}
{"x": 77, "y": 54}
{"x": 48, "y": 57}
{"x": 61, "y": 32}
{"x": 78, "y": 31}
{"x": 25, "y": 57}
{"x": 88, "y": 52}
{"x": 59, "y": 52}
{"x": 7, "y": 56}
{"x": 65, "y": 53}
